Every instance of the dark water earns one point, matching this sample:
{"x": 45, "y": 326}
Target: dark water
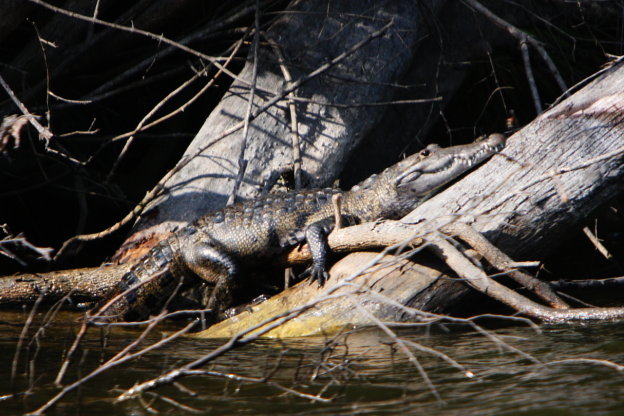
{"x": 515, "y": 373}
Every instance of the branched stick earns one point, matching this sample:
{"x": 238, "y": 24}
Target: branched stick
{"x": 103, "y": 91}
{"x": 142, "y": 126}
{"x": 141, "y": 123}
{"x": 503, "y": 263}
{"x": 476, "y": 278}
{"x": 107, "y": 366}
{"x": 44, "y": 133}
{"x": 150, "y": 35}
{"x": 91, "y": 319}
{"x": 428, "y": 318}
{"x": 242, "y": 338}
{"x": 187, "y": 103}
{"x": 521, "y": 36}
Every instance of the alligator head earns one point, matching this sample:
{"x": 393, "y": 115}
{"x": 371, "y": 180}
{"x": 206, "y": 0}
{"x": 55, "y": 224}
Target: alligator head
{"x": 434, "y": 166}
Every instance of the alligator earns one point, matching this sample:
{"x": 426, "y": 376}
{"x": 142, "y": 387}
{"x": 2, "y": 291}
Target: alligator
{"x": 217, "y": 245}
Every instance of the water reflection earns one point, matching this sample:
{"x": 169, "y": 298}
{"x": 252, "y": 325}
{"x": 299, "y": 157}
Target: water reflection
{"x": 364, "y": 372}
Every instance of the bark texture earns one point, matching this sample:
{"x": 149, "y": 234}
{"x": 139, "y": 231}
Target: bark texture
{"x": 550, "y": 176}
{"x": 76, "y": 286}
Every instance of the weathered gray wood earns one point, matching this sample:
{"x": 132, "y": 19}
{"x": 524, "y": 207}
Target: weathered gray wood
{"x": 341, "y": 306}
{"x": 549, "y": 177}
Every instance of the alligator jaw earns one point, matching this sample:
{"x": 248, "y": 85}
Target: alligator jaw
{"x": 439, "y": 166}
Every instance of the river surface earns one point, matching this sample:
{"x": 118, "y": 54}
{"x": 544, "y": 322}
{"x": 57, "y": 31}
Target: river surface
{"x": 512, "y": 370}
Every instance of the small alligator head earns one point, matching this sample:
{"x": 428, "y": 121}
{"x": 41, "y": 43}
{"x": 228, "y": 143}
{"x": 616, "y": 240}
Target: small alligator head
{"x": 436, "y": 166}
{"x": 413, "y": 180}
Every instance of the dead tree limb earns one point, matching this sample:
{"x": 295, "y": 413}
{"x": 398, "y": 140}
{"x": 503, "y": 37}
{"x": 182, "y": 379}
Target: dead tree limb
{"x": 478, "y": 279}
{"x": 551, "y": 175}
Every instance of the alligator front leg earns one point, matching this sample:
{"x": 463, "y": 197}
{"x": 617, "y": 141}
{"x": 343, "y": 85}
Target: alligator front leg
{"x": 214, "y": 267}
{"x": 316, "y": 237}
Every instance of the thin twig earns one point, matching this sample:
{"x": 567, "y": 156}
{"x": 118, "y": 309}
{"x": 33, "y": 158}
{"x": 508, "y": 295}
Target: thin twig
{"x": 521, "y": 37}
{"x": 604, "y": 363}
{"x": 294, "y": 124}
{"x": 176, "y": 403}
{"x": 537, "y": 102}
{"x": 402, "y": 345}
{"x": 242, "y": 338}
{"x": 596, "y": 242}
{"x": 47, "y": 77}
{"x": 142, "y": 124}
{"x": 108, "y": 366}
{"x": 103, "y": 91}
{"x": 22, "y": 337}
{"x": 70, "y": 353}
{"x": 188, "y": 102}
{"x": 150, "y": 35}
{"x": 264, "y": 380}
{"x": 44, "y": 133}
{"x": 242, "y": 162}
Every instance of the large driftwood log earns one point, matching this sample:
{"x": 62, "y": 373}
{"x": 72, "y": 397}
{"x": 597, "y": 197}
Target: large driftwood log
{"x": 552, "y": 174}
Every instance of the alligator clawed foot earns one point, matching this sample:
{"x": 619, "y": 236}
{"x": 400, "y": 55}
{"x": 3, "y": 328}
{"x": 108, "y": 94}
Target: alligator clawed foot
{"x": 317, "y": 274}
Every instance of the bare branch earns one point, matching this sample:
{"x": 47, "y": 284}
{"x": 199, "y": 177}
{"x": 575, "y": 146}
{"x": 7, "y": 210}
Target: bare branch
{"x": 242, "y": 163}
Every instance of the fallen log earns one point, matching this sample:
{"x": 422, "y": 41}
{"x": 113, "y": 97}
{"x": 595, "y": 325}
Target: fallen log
{"x": 551, "y": 175}
{"x": 76, "y": 286}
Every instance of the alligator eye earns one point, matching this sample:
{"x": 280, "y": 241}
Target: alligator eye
{"x": 425, "y": 152}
